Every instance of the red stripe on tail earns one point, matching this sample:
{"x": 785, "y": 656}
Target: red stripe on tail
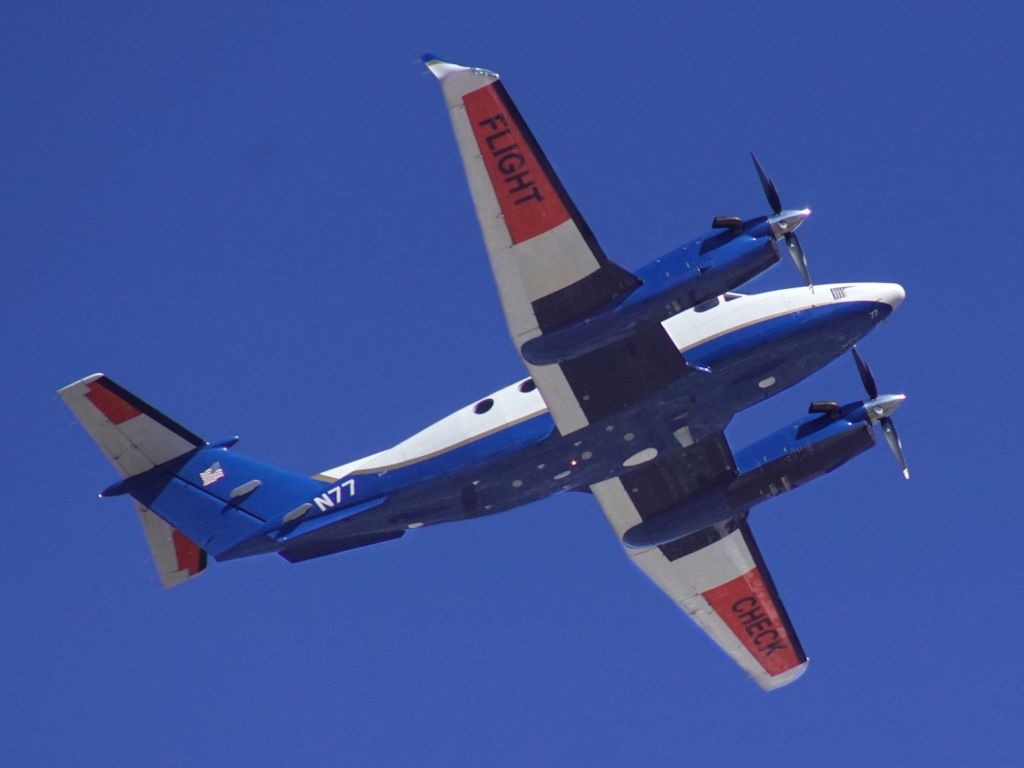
{"x": 190, "y": 556}
{"x": 110, "y": 405}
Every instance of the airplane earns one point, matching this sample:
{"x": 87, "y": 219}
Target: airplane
{"x": 632, "y": 379}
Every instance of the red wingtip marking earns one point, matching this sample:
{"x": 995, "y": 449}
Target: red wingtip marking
{"x": 110, "y": 405}
{"x": 527, "y": 197}
{"x": 190, "y": 556}
{"x": 746, "y": 606}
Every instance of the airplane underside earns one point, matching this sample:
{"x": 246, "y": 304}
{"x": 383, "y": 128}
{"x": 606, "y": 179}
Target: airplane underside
{"x": 632, "y": 378}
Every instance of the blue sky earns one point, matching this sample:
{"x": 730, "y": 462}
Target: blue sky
{"x": 255, "y": 217}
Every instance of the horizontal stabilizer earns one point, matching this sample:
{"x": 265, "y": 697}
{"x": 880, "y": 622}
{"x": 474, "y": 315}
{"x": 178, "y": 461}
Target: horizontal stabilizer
{"x": 134, "y": 435}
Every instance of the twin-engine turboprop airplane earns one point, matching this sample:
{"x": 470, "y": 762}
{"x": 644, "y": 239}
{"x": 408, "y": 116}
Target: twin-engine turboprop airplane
{"x": 632, "y": 379}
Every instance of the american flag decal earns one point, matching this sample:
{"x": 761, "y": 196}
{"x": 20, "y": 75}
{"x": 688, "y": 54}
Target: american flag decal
{"x": 212, "y": 474}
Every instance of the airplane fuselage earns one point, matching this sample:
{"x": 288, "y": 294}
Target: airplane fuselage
{"x": 503, "y": 450}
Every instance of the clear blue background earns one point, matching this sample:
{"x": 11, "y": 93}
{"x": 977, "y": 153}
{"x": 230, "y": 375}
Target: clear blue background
{"x": 253, "y": 214}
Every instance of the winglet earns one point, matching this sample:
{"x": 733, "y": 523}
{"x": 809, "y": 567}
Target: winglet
{"x": 442, "y": 69}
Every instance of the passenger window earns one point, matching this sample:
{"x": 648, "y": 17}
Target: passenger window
{"x": 527, "y": 386}
{"x": 483, "y": 406}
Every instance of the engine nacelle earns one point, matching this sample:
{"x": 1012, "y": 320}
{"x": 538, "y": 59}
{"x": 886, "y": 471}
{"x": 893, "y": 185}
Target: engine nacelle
{"x": 688, "y": 276}
{"x": 796, "y": 454}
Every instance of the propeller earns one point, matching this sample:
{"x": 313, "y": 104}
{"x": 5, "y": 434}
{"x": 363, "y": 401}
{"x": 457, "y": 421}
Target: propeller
{"x": 878, "y": 410}
{"x": 785, "y": 222}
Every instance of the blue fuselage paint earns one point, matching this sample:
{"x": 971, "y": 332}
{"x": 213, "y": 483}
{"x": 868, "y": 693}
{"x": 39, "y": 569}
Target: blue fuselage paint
{"x": 530, "y": 460}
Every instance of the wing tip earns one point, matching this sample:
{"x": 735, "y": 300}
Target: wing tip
{"x": 442, "y": 69}
{"x": 785, "y": 678}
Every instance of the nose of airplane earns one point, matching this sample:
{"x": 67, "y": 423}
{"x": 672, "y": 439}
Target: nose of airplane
{"x": 892, "y": 294}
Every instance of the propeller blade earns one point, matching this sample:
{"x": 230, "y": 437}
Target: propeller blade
{"x": 769, "y": 188}
{"x": 893, "y": 439}
{"x": 878, "y": 410}
{"x": 799, "y": 258}
{"x": 865, "y": 375}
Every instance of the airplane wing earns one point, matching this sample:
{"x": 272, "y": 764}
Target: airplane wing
{"x": 548, "y": 265}
{"x": 717, "y": 575}
{"x": 551, "y": 271}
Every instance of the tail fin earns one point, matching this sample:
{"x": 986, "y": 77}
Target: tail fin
{"x": 137, "y": 438}
{"x": 177, "y": 558}
{"x": 192, "y": 497}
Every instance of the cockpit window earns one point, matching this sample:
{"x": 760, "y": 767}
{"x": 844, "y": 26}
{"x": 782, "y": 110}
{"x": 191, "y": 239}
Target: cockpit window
{"x": 705, "y": 306}
{"x": 733, "y": 296}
